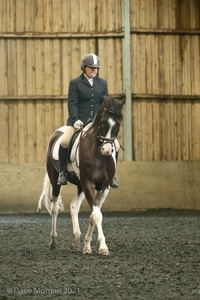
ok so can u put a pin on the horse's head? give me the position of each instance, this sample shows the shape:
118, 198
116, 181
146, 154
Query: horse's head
108, 120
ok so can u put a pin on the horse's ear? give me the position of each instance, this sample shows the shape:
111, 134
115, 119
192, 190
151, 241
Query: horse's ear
105, 99
122, 101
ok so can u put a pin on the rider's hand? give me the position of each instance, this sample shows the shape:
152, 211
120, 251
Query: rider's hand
78, 124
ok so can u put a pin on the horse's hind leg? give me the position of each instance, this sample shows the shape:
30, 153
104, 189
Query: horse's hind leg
53, 204
54, 215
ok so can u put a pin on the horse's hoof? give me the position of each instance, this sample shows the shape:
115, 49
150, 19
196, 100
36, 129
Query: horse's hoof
104, 251
87, 251
52, 245
75, 247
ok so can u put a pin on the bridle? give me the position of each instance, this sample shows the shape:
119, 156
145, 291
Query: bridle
104, 140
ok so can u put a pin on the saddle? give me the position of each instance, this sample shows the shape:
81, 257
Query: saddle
56, 145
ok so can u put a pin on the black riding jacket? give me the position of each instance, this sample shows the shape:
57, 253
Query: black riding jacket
84, 100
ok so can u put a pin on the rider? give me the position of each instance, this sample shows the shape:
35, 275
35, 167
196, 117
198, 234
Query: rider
84, 99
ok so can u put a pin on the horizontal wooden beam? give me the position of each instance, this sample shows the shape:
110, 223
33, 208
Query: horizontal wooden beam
47, 97
60, 35
117, 96
165, 31
167, 97
116, 34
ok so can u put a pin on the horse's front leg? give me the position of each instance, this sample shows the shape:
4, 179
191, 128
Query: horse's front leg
96, 219
88, 237
74, 210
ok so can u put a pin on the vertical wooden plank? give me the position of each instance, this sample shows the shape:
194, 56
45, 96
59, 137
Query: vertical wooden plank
135, 129
21, 68
155, 131
66, 11
149, 130
139, 140
134, 11
148, 63
12, 67
144, 130
156, 65
38, 15
66, 69
83, 21
195, 66
47, 123
58, 118
189, 129
21, 129
142, 17
170, 130
48, 67
134, 63
48, 88
21, 90
40, 132
57, 21
48, 15
29, 15
75, 15
4, 132
13, 132
20, 15
3, 16
117, 72
110, 62
196, 131
143, 75
185, 49
161, 73
75, 58
30, 68
39, 67
11, 15
57, 83
31, 132
3, 68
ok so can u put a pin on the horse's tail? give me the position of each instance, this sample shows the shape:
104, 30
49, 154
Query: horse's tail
46, 196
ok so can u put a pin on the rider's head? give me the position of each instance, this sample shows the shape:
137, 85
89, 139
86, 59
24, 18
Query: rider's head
91, 61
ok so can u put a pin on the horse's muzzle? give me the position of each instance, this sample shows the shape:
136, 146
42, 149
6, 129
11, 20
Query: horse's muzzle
107, 148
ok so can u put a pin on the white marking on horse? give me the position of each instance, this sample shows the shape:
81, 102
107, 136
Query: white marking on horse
107, 148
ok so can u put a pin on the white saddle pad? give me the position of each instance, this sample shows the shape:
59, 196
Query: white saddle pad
57, 144
74, 156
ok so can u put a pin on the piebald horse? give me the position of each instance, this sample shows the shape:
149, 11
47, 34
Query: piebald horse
91, 167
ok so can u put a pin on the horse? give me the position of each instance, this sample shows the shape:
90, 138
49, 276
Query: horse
91, 167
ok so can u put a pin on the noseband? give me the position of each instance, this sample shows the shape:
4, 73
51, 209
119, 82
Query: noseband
104, 140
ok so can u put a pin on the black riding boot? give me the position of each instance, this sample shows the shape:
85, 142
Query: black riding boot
115, 180
62, 178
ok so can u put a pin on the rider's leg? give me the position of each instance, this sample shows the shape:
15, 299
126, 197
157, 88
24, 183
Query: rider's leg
63, 153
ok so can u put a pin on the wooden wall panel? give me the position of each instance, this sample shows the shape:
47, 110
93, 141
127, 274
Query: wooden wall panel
165, 14
41, 46
166, 130
164, 64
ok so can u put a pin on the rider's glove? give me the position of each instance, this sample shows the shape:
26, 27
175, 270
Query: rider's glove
78, 124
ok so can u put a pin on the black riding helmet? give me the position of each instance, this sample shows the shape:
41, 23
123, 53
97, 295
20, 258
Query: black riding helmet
90, 60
